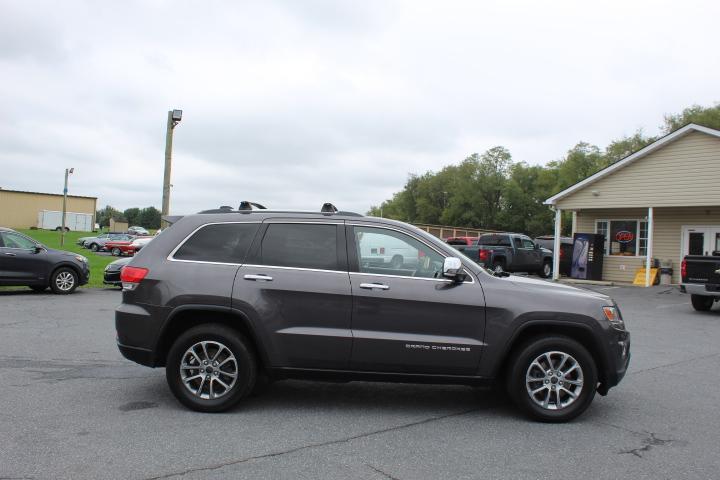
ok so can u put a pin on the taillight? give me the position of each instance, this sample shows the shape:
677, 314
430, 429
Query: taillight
562, 253
683, 269
484, 255
131, 276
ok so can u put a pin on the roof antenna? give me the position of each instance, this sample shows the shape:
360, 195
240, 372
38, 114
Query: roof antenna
328, 208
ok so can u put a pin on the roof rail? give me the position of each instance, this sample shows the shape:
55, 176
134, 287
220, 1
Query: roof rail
328, 208
245, 206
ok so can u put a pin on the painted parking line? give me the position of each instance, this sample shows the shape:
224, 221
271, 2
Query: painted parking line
672, 305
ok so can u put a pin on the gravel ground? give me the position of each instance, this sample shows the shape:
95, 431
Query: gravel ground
72, 407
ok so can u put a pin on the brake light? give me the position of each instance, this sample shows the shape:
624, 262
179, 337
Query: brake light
683, 269
484, 255
132, 276
562, 253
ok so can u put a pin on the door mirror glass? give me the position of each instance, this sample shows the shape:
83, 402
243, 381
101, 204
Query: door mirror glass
452, 268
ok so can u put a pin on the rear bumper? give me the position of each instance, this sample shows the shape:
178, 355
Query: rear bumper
143, 356
698, 289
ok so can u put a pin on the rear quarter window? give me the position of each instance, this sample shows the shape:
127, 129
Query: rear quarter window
221, 243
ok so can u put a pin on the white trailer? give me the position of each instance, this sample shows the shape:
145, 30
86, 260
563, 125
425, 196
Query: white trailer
75, 222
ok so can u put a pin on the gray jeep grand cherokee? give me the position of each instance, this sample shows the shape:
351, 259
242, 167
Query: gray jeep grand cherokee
229, 298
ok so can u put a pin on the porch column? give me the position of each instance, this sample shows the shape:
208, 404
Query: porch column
648, 250
556, 244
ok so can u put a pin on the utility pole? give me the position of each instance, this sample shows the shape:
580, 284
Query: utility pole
68, 171
173, 118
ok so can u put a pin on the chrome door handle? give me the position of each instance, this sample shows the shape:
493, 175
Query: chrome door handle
371, 286
10, 254
267, 278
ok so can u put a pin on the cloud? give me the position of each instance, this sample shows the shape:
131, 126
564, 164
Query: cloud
294, 103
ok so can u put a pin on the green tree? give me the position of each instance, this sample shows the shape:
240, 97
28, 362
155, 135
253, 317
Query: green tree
626, 146
103, 216
149, 217
705, 116
132, 214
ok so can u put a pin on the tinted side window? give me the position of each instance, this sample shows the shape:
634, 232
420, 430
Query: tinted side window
224, 243
487, 240
300, 245
13, 240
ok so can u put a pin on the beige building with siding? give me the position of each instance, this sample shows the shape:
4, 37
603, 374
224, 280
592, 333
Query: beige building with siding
20, 209
667, 196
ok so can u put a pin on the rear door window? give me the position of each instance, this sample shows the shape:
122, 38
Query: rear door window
219, 243
300, 245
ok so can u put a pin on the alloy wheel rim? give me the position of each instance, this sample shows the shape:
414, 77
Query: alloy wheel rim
547, 269
64, 281
209, 370
554, 380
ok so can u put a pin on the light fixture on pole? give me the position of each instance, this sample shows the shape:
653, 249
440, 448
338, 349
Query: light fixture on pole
68, 172
173, 118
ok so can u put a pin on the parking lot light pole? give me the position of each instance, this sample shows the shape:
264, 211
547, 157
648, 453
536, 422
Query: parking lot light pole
173, 118
68, 172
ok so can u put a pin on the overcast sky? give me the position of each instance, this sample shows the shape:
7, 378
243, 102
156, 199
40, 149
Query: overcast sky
298, 102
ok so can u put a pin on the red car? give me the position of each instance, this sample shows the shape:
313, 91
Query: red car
119, 248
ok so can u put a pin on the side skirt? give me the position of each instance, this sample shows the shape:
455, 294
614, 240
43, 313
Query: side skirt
342, 376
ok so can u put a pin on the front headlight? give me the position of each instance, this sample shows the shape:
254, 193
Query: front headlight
80, 258
612, 314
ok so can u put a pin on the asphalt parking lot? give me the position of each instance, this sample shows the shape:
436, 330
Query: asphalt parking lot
72, 407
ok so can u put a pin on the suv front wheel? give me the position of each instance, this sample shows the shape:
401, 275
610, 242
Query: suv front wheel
210, 368
553, 379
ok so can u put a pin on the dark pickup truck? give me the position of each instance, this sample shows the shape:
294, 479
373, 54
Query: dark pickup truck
506, 252
701, 279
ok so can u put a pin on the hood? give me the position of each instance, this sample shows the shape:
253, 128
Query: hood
118, 264
556, 288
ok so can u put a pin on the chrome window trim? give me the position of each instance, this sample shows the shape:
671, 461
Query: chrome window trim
443, 255
171, 255
251, 265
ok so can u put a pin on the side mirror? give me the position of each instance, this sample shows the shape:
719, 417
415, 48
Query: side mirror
38, 249
537, 246
452, 269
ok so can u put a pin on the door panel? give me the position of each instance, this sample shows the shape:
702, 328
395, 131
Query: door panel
410, 319
296, 289
302, 315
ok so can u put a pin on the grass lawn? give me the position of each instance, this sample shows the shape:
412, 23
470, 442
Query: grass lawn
51, 239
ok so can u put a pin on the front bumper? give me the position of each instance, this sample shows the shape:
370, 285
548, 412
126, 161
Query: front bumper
618, 361
112, 277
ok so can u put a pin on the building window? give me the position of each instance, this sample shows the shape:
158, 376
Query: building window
627, 238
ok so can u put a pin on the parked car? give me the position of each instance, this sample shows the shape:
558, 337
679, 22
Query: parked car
26, 262
118, 248
138, 231
509, 252
222, 299
81, 241
566, 249
140, 242
111, 275
97, 244
701, 279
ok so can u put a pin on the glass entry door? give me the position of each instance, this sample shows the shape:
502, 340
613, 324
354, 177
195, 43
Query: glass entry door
701, 240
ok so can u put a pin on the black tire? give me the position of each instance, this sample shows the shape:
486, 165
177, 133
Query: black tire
546, 269
521, 365
64, 281
94, 247
236, 344
702, 303
57, 229
115, 252
38, 288
498, 266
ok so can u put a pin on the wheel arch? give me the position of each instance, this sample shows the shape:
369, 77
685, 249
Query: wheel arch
579, 332
185, 317
58, 266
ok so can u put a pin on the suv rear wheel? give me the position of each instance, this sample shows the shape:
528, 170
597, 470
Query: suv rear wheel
553, 379
210, 368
